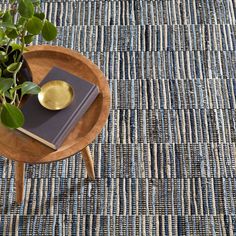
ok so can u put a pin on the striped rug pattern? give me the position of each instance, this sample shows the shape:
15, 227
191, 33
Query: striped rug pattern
165, 161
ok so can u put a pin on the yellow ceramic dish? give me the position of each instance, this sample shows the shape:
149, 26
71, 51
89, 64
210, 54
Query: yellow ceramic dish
56, 95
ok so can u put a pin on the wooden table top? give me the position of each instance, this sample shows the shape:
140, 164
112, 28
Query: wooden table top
17, 146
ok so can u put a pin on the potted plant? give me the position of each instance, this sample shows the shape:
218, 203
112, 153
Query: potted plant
19, 24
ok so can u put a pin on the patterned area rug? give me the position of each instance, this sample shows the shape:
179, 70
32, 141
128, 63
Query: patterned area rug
165, 162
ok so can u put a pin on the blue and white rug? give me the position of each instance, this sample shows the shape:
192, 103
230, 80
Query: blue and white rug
165, 162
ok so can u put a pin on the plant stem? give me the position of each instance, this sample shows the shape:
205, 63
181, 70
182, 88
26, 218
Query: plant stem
22, 43
15, 93
19, 101
8, 44
2, 99
22, 47
15, 99
10, 53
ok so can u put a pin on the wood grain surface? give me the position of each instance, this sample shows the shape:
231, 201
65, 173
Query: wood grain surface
19, 181
19, 147
88, 160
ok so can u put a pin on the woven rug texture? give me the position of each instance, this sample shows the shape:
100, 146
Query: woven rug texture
165, 161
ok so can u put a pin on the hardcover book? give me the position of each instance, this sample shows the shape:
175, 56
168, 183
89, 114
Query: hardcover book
52, 127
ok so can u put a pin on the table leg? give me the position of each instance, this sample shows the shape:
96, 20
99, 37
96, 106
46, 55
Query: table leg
88, 162
19, 181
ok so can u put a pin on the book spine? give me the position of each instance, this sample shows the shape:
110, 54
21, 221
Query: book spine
69, 125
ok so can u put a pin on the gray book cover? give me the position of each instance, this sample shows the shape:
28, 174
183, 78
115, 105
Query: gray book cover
52, 127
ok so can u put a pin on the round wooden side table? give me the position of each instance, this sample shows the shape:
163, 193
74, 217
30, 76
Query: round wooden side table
22, 149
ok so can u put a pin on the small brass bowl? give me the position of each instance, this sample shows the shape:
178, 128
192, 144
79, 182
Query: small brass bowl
56, 95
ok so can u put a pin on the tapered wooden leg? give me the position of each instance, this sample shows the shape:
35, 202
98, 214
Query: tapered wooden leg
19, 181
88, 162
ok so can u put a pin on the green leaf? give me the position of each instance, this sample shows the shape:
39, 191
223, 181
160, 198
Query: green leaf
8, 25
11, 116
36, 2
2, 34
29, 88
26, 8
34, 25
3, 56
8, 95
5, 84
12, 1
0, 72
11, 33
7, 17
41, 15
29, 38
4, 41
21, 21
49, 31
15, 46
14, 67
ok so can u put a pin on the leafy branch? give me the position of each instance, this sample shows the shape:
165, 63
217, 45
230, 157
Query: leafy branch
19, 25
